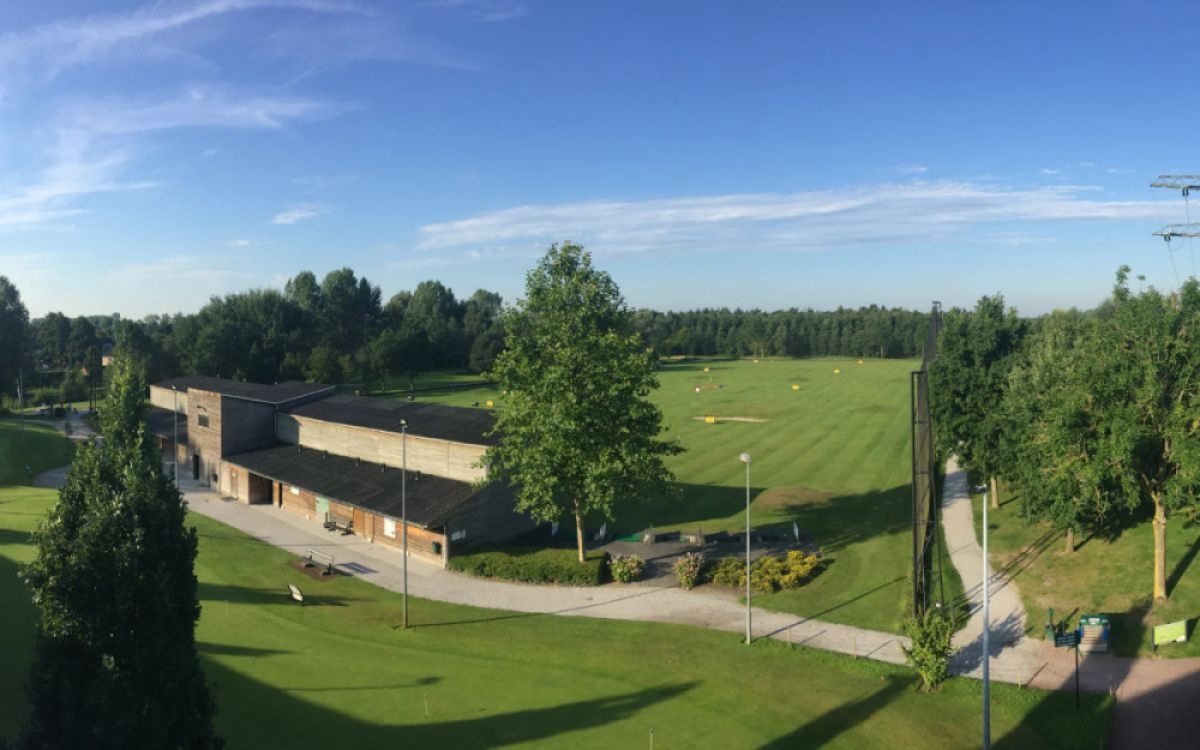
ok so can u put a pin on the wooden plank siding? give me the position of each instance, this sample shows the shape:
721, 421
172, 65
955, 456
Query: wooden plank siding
442, 458
370, 526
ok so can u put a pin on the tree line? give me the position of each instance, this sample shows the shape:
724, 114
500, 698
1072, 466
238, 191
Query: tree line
338, 329
1090, 417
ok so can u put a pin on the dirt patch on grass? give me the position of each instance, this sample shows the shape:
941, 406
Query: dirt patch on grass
791, 497
314, 571
752, 420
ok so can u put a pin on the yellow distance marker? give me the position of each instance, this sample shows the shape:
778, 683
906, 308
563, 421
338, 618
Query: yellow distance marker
490, 403
756, 361
706, 369
710, 420
860, 361
837, 372
795, 386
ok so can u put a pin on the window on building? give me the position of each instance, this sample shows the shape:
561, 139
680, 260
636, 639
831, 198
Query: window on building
202, 420
389, 527
460, 534
295, 490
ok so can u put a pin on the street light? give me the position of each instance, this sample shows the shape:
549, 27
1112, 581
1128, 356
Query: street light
745, 458
404, 509
175, 422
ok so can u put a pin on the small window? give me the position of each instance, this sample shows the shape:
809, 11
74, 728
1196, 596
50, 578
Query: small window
202, 420
460, 534
389, 527
295, 490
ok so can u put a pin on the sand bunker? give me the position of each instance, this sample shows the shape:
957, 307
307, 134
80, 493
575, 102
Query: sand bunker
754, 420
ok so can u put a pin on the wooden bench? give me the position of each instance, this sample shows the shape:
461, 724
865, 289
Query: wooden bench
311, 562
296, 594
339, 522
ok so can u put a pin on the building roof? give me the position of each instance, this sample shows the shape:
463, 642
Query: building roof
456, 423
278, 393
368, 485
158, 422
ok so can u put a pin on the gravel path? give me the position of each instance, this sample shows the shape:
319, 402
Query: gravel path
651, 602
1156, 698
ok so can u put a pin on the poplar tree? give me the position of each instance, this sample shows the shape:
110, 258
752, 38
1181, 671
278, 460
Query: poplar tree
577, 430
115, 663
967, 381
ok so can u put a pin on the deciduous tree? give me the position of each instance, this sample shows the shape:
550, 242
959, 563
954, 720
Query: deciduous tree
578, 432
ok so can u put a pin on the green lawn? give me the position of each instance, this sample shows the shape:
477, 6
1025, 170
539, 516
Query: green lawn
833, 456
1111, 576
338, 673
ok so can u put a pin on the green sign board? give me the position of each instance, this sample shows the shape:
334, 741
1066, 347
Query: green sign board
1172, 632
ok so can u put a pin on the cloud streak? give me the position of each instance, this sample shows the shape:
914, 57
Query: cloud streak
300, 212
812, 220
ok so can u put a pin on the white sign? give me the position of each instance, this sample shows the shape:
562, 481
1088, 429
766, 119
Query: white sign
389, 527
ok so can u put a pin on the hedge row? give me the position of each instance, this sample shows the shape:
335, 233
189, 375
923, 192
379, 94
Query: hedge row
533, 565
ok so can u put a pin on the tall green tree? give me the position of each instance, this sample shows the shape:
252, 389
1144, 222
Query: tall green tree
967, 382
115, 663
1049, 429
577, 430
14, 335
1142, 375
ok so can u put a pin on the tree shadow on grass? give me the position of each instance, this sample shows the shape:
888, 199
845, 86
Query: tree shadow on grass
833, 522
255, 714
222, 592
827, 727
225, 649
1181, 566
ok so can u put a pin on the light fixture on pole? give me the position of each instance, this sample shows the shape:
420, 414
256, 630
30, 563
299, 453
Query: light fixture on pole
175, 447
987, 653
404, 510
745, 458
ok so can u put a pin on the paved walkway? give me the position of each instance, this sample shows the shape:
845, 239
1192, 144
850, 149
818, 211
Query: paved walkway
1156, 698
651, 602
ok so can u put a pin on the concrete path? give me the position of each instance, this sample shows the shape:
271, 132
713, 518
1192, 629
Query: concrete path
1014, 657
1156, 698
649, 602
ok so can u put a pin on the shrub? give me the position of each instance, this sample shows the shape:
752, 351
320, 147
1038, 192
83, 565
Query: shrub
769, 573
626, 568
729, 571
532, 565
930, 653
688, 569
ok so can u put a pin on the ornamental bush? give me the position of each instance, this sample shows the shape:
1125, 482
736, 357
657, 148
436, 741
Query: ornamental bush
532, 565
689, 568
769, 573
626, 568
930, 653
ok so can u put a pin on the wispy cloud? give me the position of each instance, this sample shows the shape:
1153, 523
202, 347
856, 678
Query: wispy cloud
1049, 172
913, 169
324, 182
487, 11
300, 212
197, 106
56, 46
214, 270
811, 220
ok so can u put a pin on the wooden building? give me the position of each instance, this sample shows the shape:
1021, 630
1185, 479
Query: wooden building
336, 459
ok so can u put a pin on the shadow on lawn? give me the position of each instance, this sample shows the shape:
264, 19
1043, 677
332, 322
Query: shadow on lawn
252, 713
833, 522
222, 592
826, 727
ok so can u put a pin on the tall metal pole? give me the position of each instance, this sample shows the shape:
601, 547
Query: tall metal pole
745, 457
987, 653
404, 508
175, 420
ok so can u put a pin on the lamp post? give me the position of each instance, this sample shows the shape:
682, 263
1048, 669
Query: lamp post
745, 458
175, 423
987, 708
404, 510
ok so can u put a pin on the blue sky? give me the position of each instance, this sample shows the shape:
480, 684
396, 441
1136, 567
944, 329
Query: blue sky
749, 154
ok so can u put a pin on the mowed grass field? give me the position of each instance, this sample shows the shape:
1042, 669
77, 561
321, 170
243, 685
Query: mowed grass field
1108, 576
338, 672
833, 457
